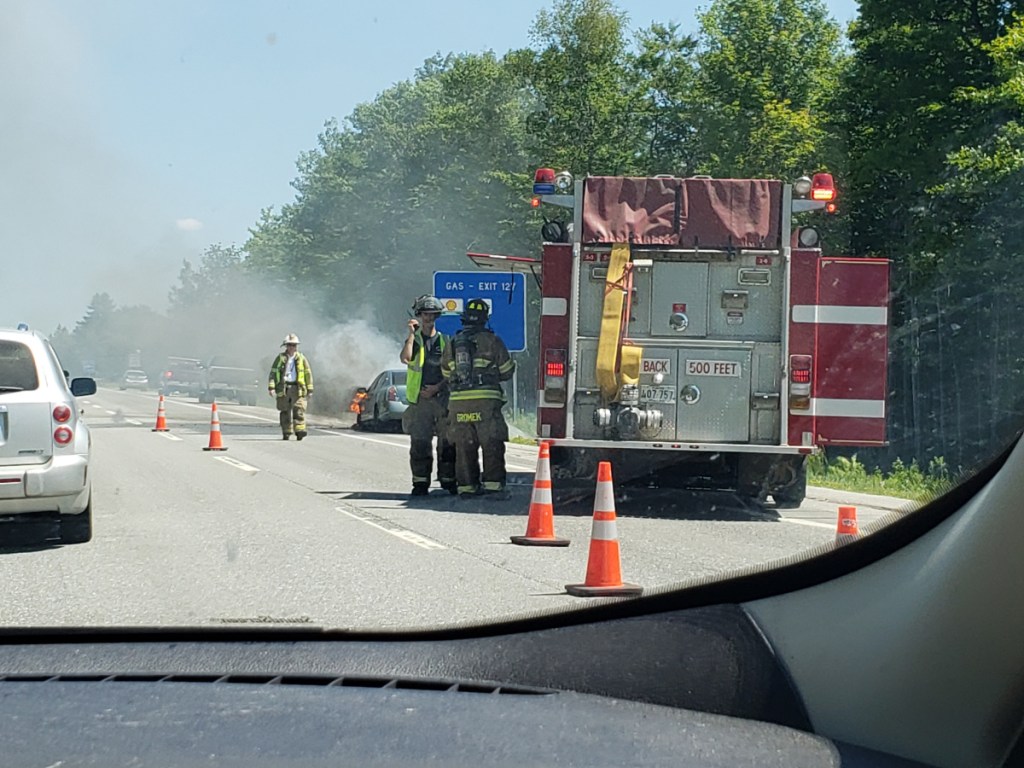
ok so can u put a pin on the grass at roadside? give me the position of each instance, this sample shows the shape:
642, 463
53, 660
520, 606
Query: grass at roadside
903, 481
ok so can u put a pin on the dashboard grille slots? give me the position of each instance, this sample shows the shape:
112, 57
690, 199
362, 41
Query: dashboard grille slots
398, 683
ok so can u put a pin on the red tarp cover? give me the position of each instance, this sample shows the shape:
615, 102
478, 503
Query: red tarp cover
710, 213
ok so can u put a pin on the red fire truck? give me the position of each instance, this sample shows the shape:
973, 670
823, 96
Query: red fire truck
688, 330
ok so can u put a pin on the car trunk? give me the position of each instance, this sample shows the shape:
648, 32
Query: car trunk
25, 436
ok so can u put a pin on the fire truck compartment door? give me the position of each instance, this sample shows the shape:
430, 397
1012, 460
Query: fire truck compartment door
679, 305
846, 320
713, 398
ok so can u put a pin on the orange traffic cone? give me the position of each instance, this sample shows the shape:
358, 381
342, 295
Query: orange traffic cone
604, 576
846, 526
540, 528
161, 417
215, 443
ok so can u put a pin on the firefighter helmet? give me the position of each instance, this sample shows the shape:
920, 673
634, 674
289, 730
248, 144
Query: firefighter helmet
291, 338
427, 303
476, 312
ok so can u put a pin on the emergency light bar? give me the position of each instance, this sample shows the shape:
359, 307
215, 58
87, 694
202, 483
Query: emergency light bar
544, 181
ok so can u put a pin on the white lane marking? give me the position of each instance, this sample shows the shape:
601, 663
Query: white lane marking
237, 464
134, 422
100, 407
112, 413
220, 410
812, 523
169, 436
794, 520
374, 440
393, 528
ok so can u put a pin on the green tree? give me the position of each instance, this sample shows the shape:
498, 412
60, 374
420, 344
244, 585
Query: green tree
908, 119
665, 70
767, 71
585, 90
431, 168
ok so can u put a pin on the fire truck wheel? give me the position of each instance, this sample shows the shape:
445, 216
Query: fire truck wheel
791, 495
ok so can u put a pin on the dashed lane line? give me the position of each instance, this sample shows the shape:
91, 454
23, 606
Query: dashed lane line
238, 464
394, 529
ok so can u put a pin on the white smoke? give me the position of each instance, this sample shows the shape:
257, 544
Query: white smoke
350, 355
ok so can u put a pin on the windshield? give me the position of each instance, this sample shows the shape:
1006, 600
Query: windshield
768, 303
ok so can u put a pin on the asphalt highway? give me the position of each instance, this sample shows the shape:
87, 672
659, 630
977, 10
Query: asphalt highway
323, 532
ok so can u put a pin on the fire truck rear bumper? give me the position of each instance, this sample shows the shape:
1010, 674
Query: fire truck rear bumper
683, 446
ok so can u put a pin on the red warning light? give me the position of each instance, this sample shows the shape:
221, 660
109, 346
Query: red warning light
535, 202
544, 176
822, 187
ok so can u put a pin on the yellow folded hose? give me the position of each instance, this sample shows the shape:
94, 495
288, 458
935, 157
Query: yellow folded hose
608, 380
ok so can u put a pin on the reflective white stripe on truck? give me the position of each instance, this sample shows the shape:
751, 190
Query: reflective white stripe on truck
839, 315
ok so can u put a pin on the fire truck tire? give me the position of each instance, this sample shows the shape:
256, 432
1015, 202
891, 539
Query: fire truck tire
791, 495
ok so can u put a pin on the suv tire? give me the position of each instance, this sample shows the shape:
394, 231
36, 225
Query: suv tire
77, 529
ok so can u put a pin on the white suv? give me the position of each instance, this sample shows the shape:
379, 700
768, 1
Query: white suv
44, 445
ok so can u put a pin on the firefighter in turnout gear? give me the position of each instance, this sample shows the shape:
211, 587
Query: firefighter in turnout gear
427, 393
291, 383
474, 364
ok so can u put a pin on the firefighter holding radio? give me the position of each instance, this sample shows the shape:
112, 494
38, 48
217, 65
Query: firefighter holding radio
427, 392
474, 364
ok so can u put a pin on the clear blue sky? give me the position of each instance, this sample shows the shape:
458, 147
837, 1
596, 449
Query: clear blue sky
136, 132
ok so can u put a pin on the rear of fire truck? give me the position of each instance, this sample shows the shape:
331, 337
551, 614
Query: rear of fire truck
690, 335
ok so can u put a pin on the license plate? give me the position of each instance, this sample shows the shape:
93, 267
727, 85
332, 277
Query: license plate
653, 394
713, 368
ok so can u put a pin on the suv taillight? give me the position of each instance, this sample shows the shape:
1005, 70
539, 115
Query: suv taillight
392, 394
61, 413
63, 435
800, 367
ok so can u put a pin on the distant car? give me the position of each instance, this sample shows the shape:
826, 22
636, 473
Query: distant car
44, 446
134, 379
384, 401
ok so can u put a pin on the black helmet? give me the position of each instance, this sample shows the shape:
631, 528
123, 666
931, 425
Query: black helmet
427, 303
475, 312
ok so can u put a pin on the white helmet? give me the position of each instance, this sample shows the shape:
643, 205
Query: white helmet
291, 338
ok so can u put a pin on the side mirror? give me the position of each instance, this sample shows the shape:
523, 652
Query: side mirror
83, 386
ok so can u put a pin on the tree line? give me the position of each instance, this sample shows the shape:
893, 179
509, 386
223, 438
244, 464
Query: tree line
916, 109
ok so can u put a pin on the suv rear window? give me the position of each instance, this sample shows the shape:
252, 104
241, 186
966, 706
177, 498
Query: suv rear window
17, 367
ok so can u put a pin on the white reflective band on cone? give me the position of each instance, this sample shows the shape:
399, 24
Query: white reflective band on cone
604, 530
604, 498
542, 495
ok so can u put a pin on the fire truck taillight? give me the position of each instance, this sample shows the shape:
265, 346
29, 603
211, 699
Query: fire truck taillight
554, 375
800, 367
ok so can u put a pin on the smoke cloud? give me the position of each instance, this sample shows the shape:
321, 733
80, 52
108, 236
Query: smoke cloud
79, 217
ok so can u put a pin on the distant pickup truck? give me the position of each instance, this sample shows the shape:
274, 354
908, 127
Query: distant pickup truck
181, 375
220, 380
